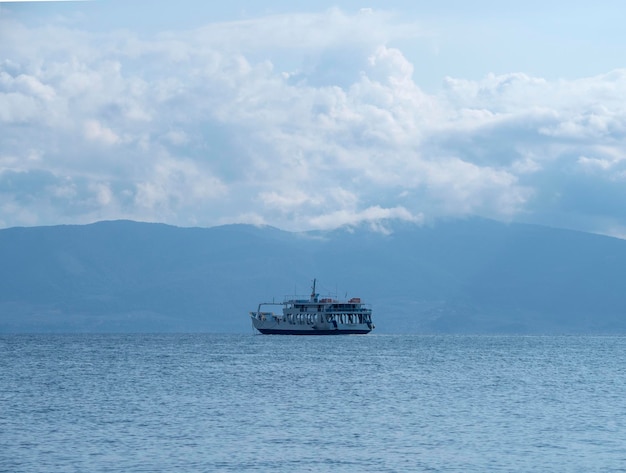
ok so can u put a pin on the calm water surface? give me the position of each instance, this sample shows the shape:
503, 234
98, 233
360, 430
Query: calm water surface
211, 403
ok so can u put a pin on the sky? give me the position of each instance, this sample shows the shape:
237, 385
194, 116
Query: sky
312, 115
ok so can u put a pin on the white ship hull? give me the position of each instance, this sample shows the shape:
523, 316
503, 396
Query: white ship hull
277, 327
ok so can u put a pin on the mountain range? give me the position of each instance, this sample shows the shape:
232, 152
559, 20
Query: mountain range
467, 276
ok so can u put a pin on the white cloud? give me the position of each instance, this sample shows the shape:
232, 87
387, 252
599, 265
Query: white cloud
177, 137
95, 131
286, 200
299, 121
17, 108
304, 32
103, 193
595, 163
374, 216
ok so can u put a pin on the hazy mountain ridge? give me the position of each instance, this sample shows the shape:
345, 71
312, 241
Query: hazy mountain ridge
471, 276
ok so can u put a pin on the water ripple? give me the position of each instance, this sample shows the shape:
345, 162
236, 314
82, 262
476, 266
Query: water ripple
211, 403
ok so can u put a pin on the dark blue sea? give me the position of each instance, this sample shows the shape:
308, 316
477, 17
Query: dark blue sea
375, 403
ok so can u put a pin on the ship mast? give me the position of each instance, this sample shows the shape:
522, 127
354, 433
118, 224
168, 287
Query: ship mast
313, 294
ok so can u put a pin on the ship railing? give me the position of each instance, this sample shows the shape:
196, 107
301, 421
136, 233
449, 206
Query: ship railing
265, 313
323, 301
299, 298
339, 307
296, 298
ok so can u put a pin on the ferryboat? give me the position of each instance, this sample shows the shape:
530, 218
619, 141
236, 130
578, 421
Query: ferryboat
314, 316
